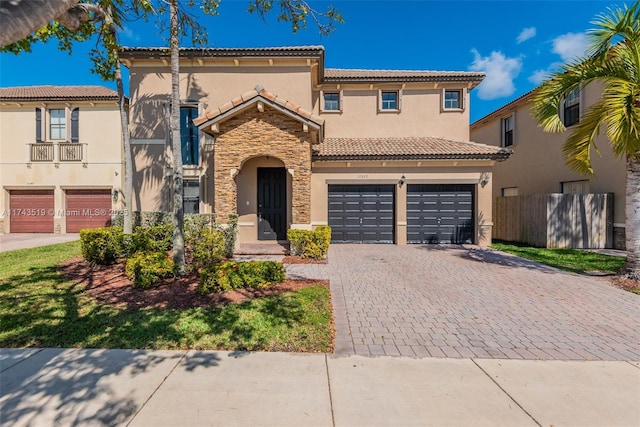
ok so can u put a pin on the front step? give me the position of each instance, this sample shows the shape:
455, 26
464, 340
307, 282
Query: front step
269, 248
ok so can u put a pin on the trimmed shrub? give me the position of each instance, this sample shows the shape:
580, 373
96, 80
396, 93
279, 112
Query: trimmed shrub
146, 268
101, 246
157, 238
310, 244
208, 248
230, 275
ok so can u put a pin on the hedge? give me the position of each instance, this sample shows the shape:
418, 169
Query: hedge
310, 244
228, 275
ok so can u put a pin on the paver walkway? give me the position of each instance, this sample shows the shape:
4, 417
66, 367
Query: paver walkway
454, 301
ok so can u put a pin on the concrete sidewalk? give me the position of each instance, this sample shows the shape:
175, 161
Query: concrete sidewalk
194, 388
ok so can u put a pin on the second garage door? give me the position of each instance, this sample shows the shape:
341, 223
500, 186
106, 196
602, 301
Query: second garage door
361, 213
87, 209
440, 213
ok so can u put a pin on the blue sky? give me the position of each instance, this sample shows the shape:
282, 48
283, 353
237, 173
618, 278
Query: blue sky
514, 42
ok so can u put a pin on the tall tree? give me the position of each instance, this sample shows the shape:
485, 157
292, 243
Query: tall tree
614, 61
78, 22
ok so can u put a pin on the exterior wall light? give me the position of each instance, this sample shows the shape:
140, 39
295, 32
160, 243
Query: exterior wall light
402, 180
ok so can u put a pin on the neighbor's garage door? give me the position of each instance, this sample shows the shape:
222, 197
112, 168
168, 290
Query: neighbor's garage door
31, 211
87, 209
361, 213
440, 213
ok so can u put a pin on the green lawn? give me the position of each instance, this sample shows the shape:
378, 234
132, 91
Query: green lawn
573, 260
38, 308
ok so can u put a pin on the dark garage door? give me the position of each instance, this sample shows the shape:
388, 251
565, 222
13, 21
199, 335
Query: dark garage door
361, 213
31, 211
87, 209
440, 213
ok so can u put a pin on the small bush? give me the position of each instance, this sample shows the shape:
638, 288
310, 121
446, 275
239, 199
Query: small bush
145, 269
157, 238
208, 248
101, 246
230, 275
310, 244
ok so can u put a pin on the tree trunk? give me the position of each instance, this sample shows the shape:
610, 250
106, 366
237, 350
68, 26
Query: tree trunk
19, 19
128, 161
174, 124
632, 223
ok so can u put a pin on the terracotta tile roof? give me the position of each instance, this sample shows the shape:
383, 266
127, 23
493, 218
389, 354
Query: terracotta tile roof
335, 74
271, 98
510, 106
57, 93
163, 52
428, 148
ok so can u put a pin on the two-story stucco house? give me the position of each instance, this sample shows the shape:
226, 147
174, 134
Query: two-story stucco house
60, 158
274, 136
537, 165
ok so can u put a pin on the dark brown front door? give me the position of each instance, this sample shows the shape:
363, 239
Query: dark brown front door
272, 204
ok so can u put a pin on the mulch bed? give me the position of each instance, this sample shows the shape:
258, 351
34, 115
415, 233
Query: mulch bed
624, 283
110, 285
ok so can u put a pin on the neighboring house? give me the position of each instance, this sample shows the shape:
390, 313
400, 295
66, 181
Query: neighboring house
538, 166
270, 134
60, 158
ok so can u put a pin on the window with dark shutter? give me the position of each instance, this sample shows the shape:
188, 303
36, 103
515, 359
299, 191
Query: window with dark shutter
38, 125
75, 129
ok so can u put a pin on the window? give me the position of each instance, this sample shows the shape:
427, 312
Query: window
57, 124
507, 131
575, 187
509, 191
452, 100
331, 101
389, 101
571, 111
191, 196
189, 135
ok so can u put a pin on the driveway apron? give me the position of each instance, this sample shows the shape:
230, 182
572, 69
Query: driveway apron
466, 301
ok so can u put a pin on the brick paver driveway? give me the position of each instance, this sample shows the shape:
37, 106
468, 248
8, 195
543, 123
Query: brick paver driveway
453, 301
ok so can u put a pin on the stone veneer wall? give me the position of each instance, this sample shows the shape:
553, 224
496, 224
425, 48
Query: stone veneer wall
253, 134
619, 238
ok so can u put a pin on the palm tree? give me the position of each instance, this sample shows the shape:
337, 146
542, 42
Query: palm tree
613, 59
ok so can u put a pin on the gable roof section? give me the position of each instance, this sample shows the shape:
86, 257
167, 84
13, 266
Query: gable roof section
58, 93
409, 148
510, 106
335, 75
247, 99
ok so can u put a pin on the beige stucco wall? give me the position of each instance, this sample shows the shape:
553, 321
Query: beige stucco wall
101, 167
210, 86
431, 172
420, 114
537, 164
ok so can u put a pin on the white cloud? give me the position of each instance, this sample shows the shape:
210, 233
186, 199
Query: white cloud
526, 34
570, 46
129, 34
500, 70
538, 76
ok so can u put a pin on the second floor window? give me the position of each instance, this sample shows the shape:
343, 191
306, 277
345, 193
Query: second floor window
331, 101
389, 101
507, 131
452, 100
572, 108
57, 124
189, 135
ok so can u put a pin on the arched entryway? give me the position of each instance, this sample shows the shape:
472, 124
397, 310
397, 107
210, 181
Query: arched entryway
263, 199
